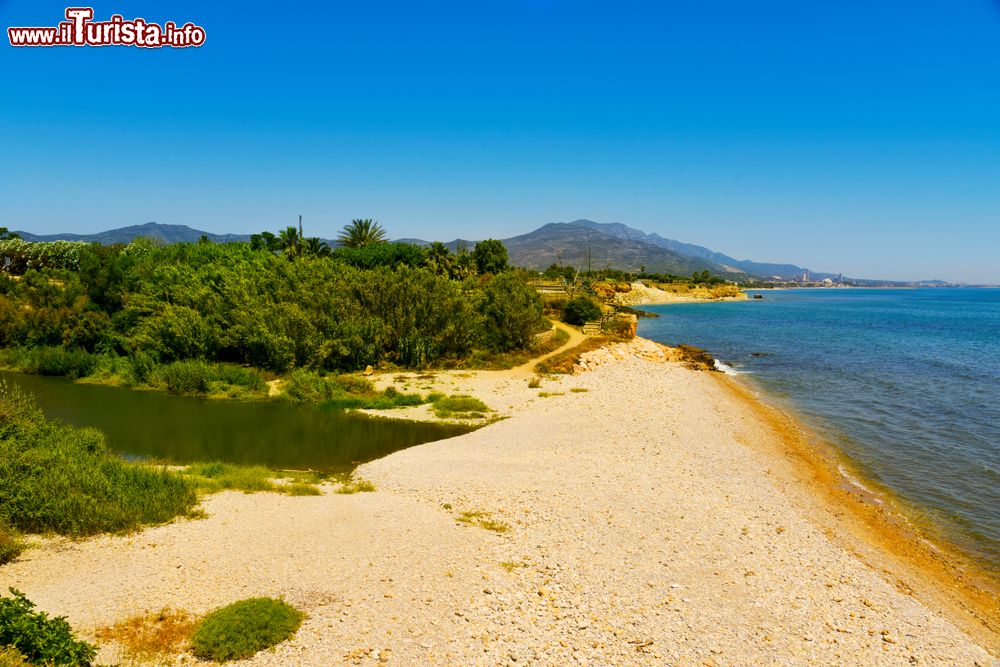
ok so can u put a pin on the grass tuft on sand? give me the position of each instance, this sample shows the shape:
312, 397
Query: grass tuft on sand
350, 485
218, 476
483, 520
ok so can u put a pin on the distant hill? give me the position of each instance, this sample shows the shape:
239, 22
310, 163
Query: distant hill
154, 230
581, 245
574, 243
760, 269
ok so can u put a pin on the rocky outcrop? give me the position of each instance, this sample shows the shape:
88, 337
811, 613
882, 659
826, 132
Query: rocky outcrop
637, 348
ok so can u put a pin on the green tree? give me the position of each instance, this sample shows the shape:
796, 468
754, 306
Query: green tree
490, 256
360, 233
4, 234
512, 312
265, 241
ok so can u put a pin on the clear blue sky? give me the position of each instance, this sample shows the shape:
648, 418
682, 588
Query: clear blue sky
853, 136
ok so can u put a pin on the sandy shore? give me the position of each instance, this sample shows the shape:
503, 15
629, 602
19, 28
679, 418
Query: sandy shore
656, 516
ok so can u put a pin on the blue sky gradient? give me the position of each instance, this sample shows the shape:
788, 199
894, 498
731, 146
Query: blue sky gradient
852, 137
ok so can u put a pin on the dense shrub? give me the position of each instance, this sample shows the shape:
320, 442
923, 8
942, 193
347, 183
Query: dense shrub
230, 303
39, 639
581, 309
62, 479
245, 628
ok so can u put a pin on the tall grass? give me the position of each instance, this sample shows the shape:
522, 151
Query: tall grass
199, 377
56, 478
51, 361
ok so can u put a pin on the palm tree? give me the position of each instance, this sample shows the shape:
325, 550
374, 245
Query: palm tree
315, 247
290, 242
463, 267
439, 258
361, 233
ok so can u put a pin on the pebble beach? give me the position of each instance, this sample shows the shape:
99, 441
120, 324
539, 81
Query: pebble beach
640, 513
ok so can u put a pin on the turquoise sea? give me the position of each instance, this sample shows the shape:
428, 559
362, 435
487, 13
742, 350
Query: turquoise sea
905, 382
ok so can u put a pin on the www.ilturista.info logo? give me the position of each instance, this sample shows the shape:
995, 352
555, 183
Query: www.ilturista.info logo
81, 30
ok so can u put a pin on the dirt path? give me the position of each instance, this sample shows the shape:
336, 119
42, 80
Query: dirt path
527, 369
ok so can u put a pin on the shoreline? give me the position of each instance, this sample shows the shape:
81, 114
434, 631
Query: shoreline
654, 515
882, 529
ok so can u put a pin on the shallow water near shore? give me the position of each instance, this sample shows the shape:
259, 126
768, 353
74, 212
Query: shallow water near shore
903, 382
183, 429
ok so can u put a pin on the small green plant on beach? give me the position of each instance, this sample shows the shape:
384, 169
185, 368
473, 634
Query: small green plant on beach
511, 565
460, 407
579, 390
40, 639
483, 520
534, 383
547, 394
245, 628
351, 485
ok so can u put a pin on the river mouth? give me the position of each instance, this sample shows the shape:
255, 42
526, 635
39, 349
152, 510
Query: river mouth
153, 425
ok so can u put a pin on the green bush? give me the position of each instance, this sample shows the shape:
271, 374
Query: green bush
40, 639
244, 628
56, 478
580, 310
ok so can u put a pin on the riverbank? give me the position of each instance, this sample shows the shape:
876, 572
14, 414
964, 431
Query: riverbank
641, 513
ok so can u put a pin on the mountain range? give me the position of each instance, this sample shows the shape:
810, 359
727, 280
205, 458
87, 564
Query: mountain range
152, 230
581, 243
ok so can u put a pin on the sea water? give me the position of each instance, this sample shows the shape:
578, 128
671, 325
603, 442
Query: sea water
905, 382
